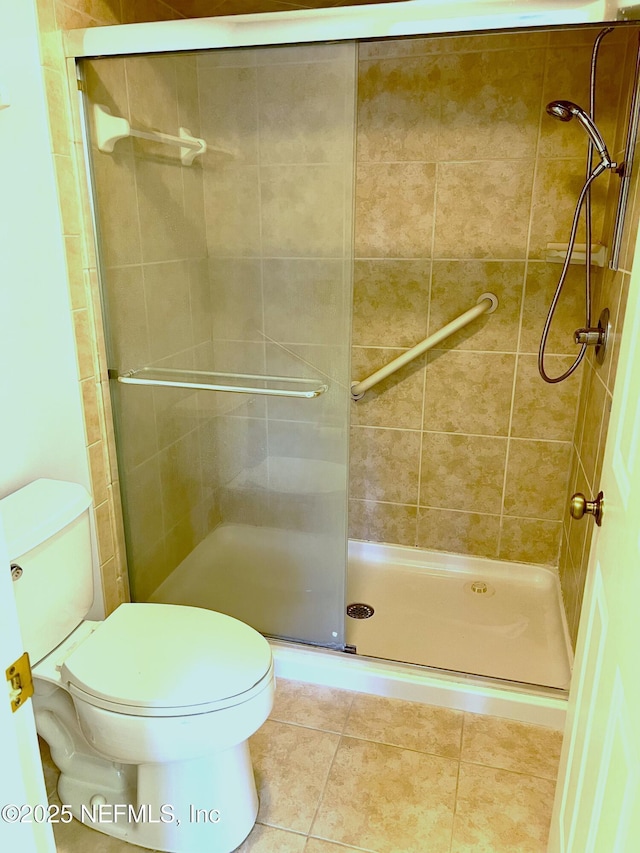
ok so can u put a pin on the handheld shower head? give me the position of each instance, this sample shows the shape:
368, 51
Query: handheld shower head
566, 110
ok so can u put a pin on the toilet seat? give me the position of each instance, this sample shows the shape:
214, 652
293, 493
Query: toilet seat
168, 660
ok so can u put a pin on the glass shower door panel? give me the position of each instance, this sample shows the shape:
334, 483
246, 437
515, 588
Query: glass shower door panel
233, 271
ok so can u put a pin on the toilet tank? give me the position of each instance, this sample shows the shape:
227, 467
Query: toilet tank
48, 535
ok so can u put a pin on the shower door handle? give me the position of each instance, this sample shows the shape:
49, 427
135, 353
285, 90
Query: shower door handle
580, 506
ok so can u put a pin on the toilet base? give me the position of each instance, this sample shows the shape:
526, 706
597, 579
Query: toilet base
206, 805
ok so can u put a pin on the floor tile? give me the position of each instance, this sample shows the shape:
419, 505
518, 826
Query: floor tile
75, 837
510, 745
501, 812
267, 839
311, 705
411, 725
387, 799
291, 765
317, 845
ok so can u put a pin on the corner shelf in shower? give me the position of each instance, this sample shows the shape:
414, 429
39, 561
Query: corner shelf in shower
111, 129
206, 380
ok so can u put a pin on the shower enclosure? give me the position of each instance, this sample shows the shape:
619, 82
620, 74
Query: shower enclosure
228, 185
223, 186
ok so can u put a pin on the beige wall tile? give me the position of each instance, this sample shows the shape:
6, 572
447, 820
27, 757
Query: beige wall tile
117, 206
556, 189
134, 407
457, 285
541, 282
567, 77
75, 272
148, 10
84, 343
363, 771
456, 531
51, 53
303, 299
236, 296
537, 477
68, 193
483, 209
469, 392
56, 93
384, 464
399, 109
91, 408
99, 472
229, 108
394, 210
232, 211
298, 206
393, 402
153, 98
106, 84
128, 322
382, 522
530, 540
541, 410
594, 414
302, 112
390, 302
104, 532
160, 200
490, 104
166, 291
462, 471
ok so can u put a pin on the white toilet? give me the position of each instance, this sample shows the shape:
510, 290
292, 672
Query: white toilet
147, 713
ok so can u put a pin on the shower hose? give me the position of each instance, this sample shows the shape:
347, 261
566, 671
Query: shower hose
583, 199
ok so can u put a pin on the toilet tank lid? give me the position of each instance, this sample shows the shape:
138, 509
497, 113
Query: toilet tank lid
38, 511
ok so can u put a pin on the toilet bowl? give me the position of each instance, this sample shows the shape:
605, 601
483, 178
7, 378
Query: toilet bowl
147, 713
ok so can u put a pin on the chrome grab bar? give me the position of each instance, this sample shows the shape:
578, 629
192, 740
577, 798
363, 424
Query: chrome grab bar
144, 376
487, 303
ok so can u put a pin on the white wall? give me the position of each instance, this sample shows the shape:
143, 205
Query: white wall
41, 423
41, 427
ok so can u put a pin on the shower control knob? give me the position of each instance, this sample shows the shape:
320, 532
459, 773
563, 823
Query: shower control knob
580, 506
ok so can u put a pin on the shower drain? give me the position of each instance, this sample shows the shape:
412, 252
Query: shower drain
359, 611
480, 588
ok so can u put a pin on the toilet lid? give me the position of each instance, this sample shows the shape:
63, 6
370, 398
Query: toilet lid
167, 656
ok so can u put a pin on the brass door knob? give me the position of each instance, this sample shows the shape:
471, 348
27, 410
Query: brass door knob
580, 506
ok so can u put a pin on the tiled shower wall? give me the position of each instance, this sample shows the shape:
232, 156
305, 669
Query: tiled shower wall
154, 255
462, 179
595, 400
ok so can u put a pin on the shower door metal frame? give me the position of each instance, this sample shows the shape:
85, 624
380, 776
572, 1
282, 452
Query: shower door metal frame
428, 17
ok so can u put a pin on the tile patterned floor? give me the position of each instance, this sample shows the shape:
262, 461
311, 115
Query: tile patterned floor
340, 771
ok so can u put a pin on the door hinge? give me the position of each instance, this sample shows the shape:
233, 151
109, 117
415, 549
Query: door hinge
20, 681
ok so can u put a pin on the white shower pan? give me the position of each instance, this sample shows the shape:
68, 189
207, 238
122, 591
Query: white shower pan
459, 613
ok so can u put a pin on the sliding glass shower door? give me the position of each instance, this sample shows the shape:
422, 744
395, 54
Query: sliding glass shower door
223, 185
